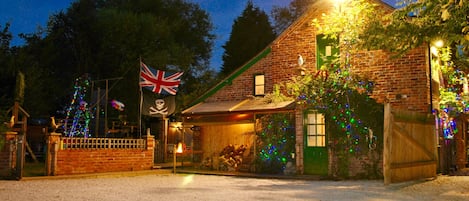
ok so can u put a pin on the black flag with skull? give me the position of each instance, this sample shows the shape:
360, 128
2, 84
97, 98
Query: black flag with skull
155, 105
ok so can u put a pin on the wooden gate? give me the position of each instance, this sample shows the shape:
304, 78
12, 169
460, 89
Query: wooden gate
410, 146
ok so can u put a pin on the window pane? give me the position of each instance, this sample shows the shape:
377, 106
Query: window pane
312, 130
321, 129
312, 141
259, 80
311, 118
321, 141
320, 119
260, 90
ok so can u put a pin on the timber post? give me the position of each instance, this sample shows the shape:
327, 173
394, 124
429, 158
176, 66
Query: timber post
387, 144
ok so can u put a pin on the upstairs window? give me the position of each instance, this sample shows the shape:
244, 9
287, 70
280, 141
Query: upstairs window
259, 85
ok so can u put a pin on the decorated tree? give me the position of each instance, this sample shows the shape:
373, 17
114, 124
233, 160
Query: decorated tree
78, 112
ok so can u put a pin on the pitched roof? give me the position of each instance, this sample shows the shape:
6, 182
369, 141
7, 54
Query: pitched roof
315, 9
249, 104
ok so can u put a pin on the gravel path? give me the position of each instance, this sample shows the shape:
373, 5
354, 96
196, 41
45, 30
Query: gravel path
186, 187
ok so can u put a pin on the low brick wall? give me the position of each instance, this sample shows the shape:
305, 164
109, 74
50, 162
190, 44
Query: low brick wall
66, 161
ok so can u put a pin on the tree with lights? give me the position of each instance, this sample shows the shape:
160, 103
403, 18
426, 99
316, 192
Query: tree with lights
78, 111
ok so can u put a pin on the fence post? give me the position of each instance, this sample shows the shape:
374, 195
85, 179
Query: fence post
387, 135
19, 155
53, 143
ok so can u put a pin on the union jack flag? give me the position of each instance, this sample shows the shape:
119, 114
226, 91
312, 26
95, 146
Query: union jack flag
158, 81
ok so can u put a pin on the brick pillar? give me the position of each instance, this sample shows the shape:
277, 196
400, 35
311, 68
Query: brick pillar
7, 153
151, 146
53, 145
299, 145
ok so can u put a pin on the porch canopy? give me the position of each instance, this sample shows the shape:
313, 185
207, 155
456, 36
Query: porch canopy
247, 105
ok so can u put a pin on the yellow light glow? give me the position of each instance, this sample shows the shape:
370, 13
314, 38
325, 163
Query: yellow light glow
187, 180
338, 2
434, 50
179, 148
438, 43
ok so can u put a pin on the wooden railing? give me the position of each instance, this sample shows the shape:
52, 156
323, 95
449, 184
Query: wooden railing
101, 143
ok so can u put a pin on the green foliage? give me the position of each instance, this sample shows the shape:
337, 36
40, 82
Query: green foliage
422, 22
346, 22
7, 76
106, 39
275, 142
243, 45
452, 97
285, 16
276, 96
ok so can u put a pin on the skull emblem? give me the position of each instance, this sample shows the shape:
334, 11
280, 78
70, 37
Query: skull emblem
159, 104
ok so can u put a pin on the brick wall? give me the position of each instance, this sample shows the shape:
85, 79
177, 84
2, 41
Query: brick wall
102, 160
403, 81
81, 161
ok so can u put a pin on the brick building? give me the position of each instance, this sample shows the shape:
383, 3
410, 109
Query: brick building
230, 112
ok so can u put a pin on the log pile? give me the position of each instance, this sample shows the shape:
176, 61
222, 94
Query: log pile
231, 157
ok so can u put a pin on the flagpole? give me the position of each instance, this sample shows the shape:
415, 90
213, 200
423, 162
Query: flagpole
141, 99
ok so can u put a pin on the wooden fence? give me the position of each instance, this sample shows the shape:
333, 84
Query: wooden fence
410, 146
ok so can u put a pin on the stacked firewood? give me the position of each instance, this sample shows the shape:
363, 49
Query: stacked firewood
231, 157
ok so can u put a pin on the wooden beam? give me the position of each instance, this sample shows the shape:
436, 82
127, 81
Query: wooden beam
412, 164
387, 135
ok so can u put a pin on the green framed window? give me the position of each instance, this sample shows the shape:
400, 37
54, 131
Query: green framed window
315, 129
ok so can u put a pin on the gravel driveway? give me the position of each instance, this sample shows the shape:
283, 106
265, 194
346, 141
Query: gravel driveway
189, 187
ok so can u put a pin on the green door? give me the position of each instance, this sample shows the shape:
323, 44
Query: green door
315, 158
326, 51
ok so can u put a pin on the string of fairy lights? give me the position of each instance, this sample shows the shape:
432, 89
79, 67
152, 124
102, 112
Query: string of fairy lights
453, 92
78, 110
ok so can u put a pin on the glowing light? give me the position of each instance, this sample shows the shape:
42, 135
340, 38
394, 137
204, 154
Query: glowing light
187, 180
438, 43
179, 148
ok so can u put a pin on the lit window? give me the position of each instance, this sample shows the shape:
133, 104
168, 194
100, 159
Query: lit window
259, 85
315, 130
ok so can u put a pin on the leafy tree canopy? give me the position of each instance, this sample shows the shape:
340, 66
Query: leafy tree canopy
251, 32
423, 22
106, 38
285, 16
